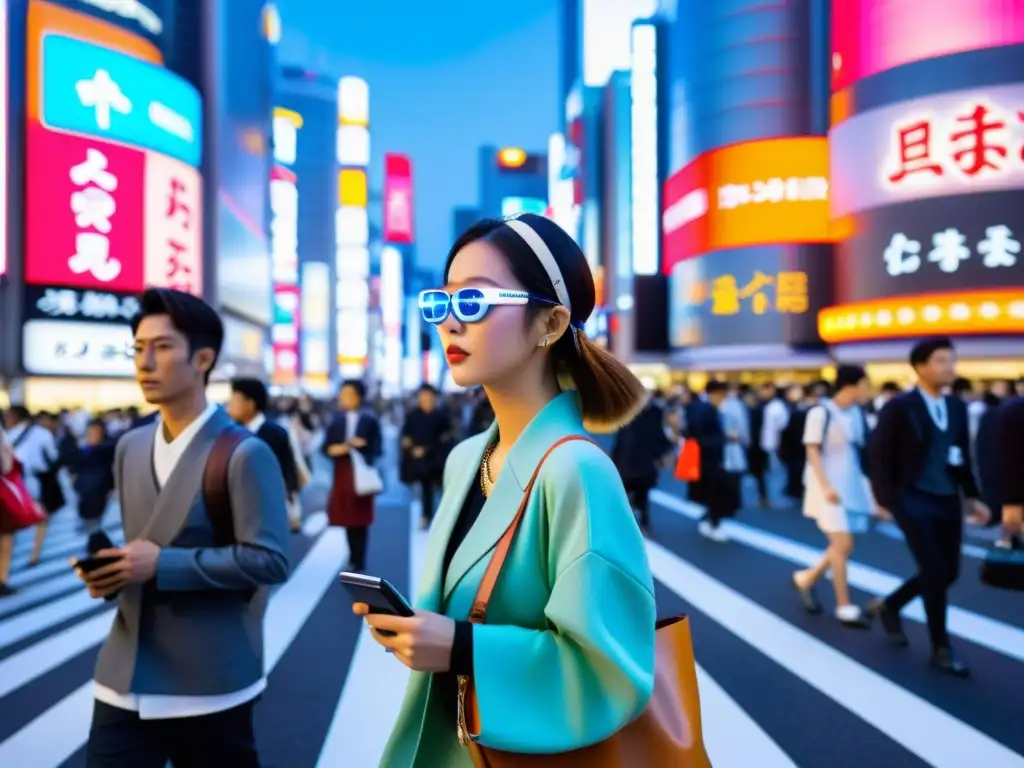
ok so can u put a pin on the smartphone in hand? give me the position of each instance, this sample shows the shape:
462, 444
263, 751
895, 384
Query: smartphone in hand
377, 593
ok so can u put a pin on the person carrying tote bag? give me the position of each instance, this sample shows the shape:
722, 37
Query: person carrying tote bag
561, 652
668, 731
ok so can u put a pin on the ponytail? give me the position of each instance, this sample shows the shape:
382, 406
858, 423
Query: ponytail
610, 395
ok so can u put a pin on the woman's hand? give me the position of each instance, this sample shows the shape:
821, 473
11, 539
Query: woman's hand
357, 442
831, 495
336, 450
422, 642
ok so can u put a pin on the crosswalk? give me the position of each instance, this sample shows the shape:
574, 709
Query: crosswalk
779, 689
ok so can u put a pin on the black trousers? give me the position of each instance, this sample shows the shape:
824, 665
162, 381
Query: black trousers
358, 538
933, 528
639, 491
428, 487
121, 739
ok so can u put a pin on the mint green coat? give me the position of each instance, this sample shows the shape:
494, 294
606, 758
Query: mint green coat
566, 657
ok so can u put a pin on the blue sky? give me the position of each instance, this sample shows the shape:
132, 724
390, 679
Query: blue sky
445, 77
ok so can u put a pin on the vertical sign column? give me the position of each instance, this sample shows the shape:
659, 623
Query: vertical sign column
352, 230
399, 230
284, 234
3, 138
645, 210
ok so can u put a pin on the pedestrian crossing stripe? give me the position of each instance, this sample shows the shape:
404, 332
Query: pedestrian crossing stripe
46, 693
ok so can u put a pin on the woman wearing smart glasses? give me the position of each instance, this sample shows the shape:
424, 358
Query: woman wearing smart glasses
562, 654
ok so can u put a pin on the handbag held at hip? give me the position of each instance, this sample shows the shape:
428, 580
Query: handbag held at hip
668, 731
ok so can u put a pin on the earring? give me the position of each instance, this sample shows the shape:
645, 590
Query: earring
545, 342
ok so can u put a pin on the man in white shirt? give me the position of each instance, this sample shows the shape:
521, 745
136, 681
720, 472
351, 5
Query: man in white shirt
203, 507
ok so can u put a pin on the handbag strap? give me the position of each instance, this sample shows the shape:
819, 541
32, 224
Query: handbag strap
483, 593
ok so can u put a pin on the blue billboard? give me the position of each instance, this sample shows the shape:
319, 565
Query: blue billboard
95, 91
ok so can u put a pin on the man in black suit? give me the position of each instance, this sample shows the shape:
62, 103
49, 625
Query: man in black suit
248, 407
920, 471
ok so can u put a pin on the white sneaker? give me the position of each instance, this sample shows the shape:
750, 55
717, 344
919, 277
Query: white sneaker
710, 532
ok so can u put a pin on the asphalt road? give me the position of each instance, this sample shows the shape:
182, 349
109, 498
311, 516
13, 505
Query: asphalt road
779, 688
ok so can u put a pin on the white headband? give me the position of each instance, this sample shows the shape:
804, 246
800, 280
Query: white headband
543, 253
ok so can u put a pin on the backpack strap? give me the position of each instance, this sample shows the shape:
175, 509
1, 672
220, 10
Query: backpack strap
216, 485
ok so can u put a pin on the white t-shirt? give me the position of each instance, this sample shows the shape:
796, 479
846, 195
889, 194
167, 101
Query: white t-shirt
840, 458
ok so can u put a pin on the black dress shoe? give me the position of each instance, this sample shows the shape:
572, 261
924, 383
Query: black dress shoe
807, 597
944, 660
891, 623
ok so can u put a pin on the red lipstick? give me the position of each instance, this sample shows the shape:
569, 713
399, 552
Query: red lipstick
455, 354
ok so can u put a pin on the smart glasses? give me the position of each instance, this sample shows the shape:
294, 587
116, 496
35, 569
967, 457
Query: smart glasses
470, 305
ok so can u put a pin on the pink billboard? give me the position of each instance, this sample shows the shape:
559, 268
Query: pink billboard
399, 224
872, 36
84, 212
101, 215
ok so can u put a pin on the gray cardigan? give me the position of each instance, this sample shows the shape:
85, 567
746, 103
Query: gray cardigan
197, 628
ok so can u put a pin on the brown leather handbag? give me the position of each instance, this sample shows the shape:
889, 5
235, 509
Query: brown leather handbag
667, 732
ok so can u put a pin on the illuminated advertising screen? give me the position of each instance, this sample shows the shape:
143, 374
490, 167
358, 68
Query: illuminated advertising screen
113, 197
758, 193
644, 150
284, 233
398, 210
118, 138
513, 206
954, 143
145, 18
760, 295
352, 228
935, 245
242, 107
3, 138
392, 299
872, 36
315, 324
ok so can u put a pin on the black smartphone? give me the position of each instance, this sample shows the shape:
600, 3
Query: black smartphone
377, 593
89, 564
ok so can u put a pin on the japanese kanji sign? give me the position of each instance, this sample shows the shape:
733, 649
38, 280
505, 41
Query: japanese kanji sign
174, 225
109, 218
941, 245
954, 143
83, 212
752, 296
66, 348
754, 193
82, 305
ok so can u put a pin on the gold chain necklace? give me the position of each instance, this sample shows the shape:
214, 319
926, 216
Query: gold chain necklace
486, 484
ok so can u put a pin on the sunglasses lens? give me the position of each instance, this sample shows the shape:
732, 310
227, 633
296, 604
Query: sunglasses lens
469, 305
434, 306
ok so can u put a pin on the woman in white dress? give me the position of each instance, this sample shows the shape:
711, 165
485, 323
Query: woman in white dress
837, 495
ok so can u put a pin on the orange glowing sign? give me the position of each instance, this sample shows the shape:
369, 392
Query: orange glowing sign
966, 313
785, 293
511, 157
756, 193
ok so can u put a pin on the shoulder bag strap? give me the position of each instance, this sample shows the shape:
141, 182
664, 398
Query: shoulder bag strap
483, 593
216, 485
21, 437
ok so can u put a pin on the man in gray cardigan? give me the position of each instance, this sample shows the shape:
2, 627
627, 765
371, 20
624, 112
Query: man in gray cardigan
183, 666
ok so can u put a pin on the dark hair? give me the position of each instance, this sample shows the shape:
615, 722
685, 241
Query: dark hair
610, 395
922, 351
961, 386
254, 390
849, 376
891, 386
100, 424
190, 316
427, 388
357, 385
20, 412
715, 387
